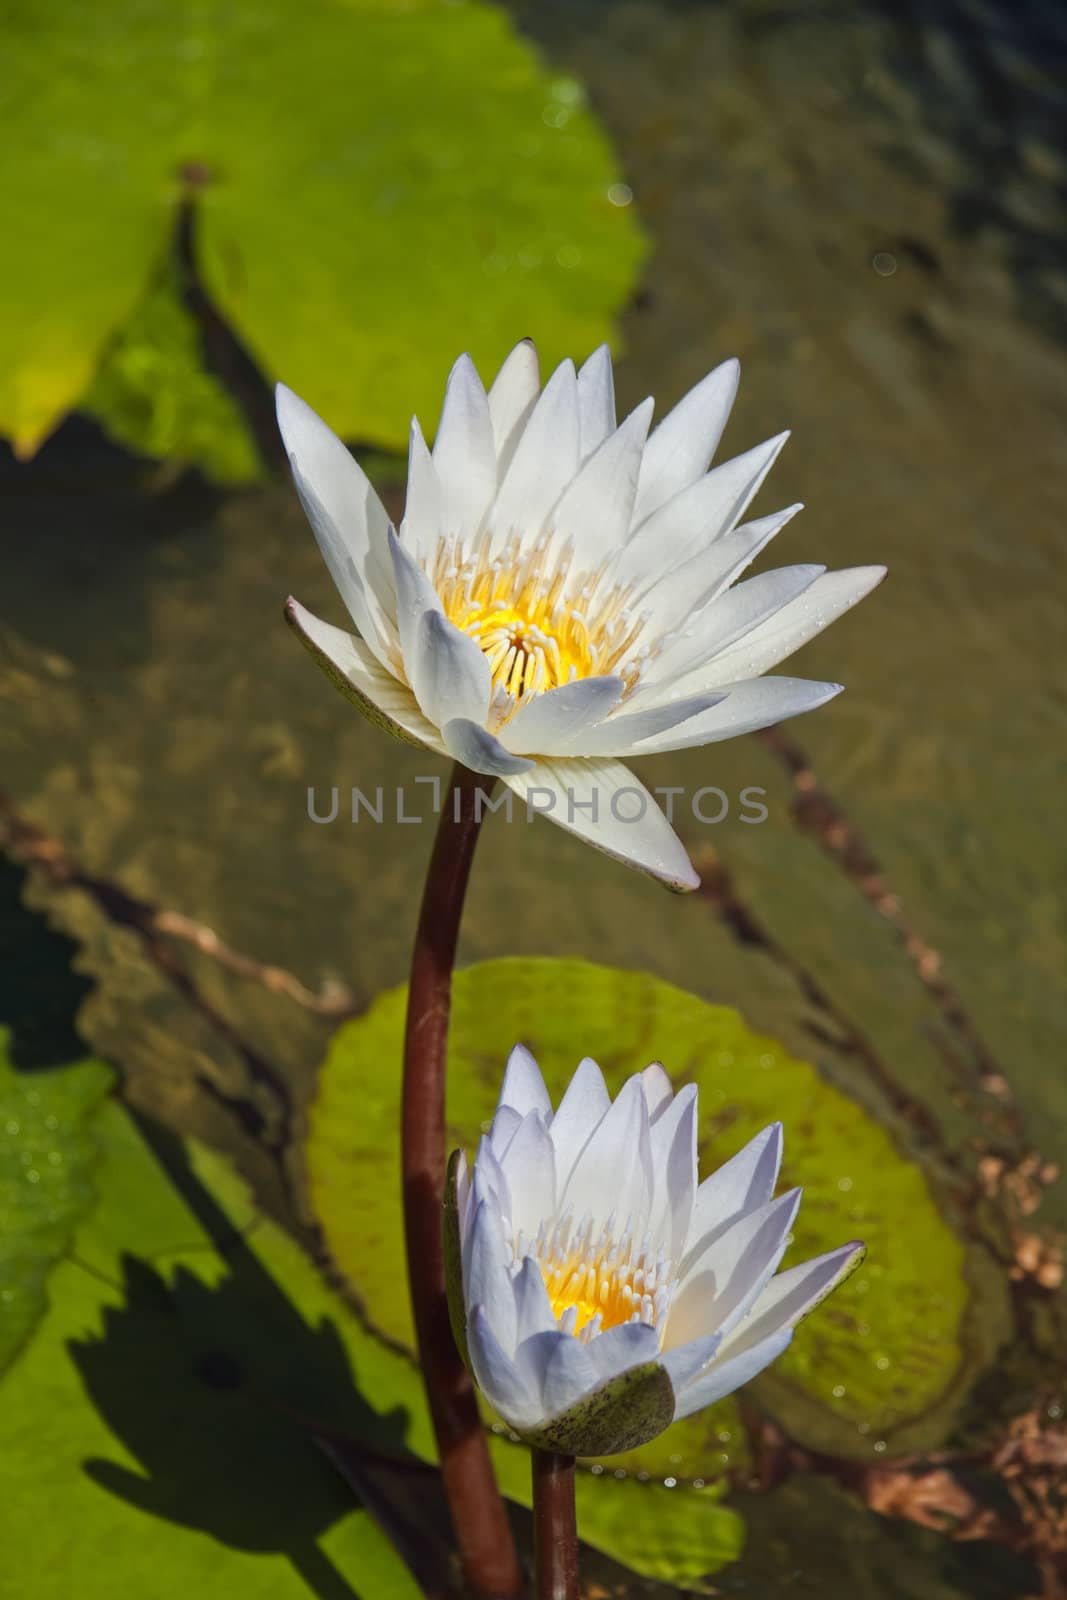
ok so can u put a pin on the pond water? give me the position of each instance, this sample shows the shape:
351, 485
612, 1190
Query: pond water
866, 205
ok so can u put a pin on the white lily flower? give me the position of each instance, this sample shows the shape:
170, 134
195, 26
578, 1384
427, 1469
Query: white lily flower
599, 1290
562, 591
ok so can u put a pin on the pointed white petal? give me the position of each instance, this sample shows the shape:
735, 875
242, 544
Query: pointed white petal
659, 1091
594, 511
531, 1301
415, 595
545, 459
560, 715
487, 1281
595, 799
523, 1088
488, 1180
613, 1174
380, 695
472, 744
631, 733
667, 597
722, 1377
701, 514
685, 441
756, 704
704, 637
558, 1368
452, 676
790, 1296
511, 400
504, 1127
686, 1361
722, 1282
424, 514
772, 639
464, 452
505, 1387
742, 1184
596, 400
584, 1105
530, 1168
628, 1345
348, 520
674, 1163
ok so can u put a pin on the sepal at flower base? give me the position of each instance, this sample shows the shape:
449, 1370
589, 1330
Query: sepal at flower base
622, 1414
457, 1165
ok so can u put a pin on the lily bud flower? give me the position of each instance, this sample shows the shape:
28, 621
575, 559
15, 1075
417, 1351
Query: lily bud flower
597, 1289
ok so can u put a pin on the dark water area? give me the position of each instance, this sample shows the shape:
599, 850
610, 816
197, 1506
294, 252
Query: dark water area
867, 205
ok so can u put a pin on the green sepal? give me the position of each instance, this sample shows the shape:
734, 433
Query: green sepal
622, 1414
457, 1314
354, 696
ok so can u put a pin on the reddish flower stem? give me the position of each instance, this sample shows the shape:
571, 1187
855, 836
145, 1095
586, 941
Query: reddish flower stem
486, 1548
555, 1527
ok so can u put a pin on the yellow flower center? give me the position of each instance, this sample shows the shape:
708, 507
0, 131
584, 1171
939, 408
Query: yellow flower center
523, 607
603, 1282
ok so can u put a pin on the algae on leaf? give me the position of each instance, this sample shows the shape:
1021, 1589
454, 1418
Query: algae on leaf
886, 1349
378, 185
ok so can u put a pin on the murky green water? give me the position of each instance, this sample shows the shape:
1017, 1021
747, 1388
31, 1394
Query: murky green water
866, 207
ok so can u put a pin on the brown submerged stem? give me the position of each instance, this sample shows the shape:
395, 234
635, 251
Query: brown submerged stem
486, 1547
555, 1527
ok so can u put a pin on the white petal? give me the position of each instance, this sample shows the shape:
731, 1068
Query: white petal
701, 514
381, 696
726, 1375
487, 1281
348, 520
632, 733
790, 1296
668, 596
559, 715
674, 1163
523, 1088
545, 459
472, 744
488, 1180
799, 620
558, 1368
464, 452
708, 632
584, 1105
504, 1127
596, 400
424, 515
566, 790
659, 1091
415, 595
595, 509
505, 1387
745, 707
530, 1168
452, 676
742, 1184
531, 1301
685, 441
723, 1280
628, 1345
511, 400
612, 1176
686, 1362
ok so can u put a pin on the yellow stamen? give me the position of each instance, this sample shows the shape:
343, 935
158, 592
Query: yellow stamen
601, 1282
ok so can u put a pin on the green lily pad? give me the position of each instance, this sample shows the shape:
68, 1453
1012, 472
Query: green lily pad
886, 1349
153, 395
378, 184
47, 1157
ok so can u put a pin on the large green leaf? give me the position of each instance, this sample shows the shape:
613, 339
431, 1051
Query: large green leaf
886, 1349
47, 1155
378, 184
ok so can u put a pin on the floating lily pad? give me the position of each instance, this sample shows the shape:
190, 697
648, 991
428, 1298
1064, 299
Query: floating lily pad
887, 1347
47, 1156
378, 184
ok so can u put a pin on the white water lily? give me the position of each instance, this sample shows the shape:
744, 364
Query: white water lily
562, 591
601, 1291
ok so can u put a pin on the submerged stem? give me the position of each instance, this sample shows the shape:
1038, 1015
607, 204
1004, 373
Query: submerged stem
555, 1527
486, 1548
